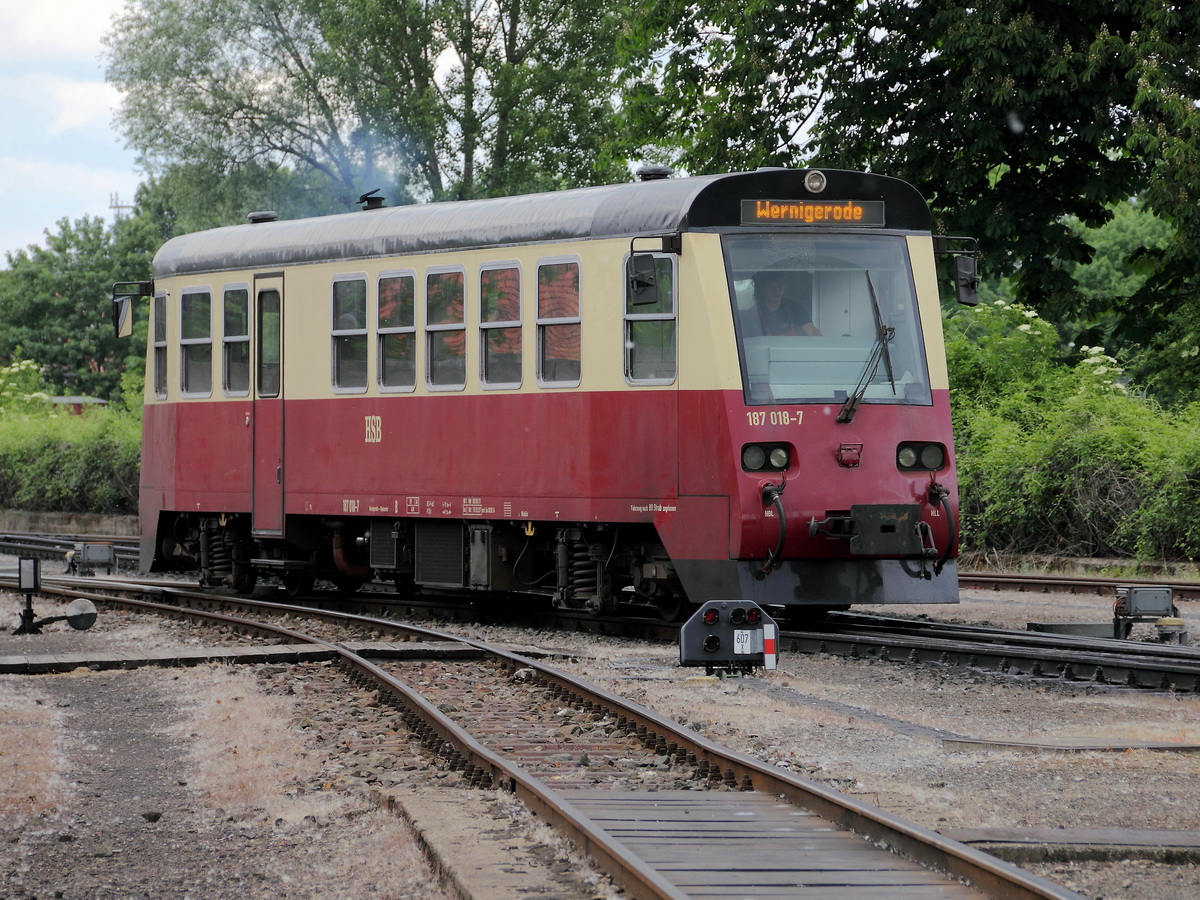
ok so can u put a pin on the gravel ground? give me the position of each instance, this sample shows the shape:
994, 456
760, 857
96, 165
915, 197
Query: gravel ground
85, 816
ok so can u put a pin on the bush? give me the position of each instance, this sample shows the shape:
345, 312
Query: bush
67, 463
1061, 459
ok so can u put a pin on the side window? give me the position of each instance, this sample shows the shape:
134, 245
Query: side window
558, 324
650, 356
350, 333
160, 345
195, 343
445, 329
500, 325
236, 337
397, 332
270, 342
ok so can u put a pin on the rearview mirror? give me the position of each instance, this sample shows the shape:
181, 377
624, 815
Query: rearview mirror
643, 282
122, 316
123, 293
966, 280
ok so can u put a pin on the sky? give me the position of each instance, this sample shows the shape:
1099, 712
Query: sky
60, 156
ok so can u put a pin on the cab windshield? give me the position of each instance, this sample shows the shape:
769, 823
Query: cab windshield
825, 317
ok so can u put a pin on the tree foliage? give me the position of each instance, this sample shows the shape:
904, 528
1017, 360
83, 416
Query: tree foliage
1024, 123
54, 302
430, 99
723, 86
223, 84
1057, 457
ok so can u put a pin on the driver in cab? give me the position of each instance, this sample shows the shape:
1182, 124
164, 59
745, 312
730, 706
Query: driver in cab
778, 314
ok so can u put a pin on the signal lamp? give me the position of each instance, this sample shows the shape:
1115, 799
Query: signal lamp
712, 643
779, 458
711, 616
754, 616
738, 616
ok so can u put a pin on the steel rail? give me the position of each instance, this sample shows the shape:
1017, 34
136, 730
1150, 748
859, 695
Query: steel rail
1068, 657
859, 623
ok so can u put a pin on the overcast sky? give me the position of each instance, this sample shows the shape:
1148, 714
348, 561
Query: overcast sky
59, 155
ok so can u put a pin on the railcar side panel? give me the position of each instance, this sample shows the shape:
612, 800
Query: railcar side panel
518, 447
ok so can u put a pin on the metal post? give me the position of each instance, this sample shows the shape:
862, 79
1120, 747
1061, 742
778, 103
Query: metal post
29, 581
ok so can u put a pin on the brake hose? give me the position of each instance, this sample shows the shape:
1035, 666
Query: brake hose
940, 494
773, 496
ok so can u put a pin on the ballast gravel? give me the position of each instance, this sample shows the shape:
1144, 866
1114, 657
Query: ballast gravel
111, 784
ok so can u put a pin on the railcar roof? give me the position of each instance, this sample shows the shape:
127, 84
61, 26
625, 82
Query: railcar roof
619, 210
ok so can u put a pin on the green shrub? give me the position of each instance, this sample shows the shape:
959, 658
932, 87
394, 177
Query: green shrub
1058, 458
67, 463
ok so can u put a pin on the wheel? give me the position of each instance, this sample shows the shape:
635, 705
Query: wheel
244, 580
347, 585
672, 609
298, 585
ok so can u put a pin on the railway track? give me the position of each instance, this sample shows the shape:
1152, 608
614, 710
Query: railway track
1136, 664
663, 810
1069, 584
56, 546
1031, 654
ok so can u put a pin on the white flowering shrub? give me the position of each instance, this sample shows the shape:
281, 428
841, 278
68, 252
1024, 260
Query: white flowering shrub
22, 389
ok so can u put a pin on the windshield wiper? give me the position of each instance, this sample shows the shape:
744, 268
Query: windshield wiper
879, 353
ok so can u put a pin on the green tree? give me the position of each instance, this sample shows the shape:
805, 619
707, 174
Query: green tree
54, 302
222, 86
1014, 118
724, 86
429, 99
187, 197
1122, 261
1020, 122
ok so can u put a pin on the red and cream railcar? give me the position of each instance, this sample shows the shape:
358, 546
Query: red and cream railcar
579, 395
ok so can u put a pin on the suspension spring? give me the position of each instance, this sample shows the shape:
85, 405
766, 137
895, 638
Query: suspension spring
221, 555
583, 571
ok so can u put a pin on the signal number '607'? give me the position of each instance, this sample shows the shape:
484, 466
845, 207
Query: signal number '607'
374, 429
775, 416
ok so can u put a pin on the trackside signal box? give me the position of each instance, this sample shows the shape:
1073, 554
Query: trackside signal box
729, 636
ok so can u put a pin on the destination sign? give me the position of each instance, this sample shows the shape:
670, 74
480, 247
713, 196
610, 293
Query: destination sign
812, 212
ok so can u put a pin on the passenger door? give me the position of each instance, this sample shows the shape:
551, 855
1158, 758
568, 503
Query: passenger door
268, 405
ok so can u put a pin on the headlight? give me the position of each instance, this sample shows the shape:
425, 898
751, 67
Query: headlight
933, 457
754, 457
814, 181
766, 457
920, 456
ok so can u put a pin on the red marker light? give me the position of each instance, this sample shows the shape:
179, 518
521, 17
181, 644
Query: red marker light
754, 616
711, 616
